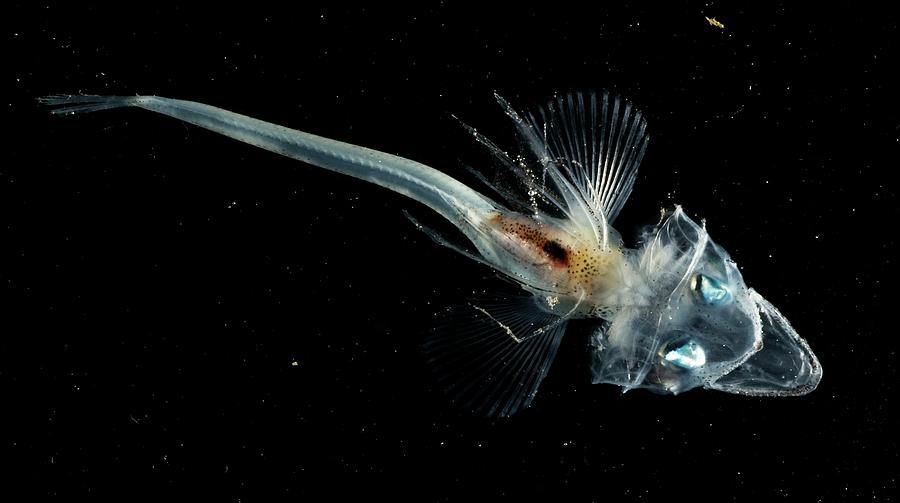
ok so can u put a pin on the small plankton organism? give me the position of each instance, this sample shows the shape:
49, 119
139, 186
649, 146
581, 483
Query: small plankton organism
712, 22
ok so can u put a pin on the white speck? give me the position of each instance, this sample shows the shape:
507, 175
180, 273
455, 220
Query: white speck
295, 364
552, 301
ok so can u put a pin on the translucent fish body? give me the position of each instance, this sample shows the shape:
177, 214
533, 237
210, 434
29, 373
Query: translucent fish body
670, 315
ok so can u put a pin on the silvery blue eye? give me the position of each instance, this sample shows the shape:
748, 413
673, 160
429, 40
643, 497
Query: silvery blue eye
710, 290
689, 355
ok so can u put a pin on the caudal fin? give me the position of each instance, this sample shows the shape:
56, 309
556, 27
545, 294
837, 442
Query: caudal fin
69, 104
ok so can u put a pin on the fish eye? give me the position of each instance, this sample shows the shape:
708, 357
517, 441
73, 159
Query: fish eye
712, 291
685, 354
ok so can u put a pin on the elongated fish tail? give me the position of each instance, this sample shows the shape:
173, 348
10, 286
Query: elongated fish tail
69, 104
446, 195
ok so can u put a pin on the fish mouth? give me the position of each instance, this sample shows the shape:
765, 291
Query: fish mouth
784, 366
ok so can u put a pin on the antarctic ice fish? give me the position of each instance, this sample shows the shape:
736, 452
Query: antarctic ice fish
668, 316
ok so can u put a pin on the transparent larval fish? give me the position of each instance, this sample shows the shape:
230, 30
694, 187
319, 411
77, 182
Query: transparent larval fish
671, 315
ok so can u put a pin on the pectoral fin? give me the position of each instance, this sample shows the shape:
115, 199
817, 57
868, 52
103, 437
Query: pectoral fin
591, 145
491, 355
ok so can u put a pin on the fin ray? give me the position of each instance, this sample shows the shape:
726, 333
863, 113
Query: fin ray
591, 147
492, 354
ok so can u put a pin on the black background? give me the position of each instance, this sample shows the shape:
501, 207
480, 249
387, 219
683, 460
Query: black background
160, 281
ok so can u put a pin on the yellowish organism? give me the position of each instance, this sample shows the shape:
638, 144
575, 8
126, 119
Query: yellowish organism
713, 22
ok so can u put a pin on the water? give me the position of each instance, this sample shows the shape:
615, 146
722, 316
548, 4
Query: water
162, 281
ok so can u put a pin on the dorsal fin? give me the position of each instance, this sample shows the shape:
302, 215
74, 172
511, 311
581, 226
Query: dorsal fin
591, 144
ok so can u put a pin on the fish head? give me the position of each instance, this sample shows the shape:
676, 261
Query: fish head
700, 325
